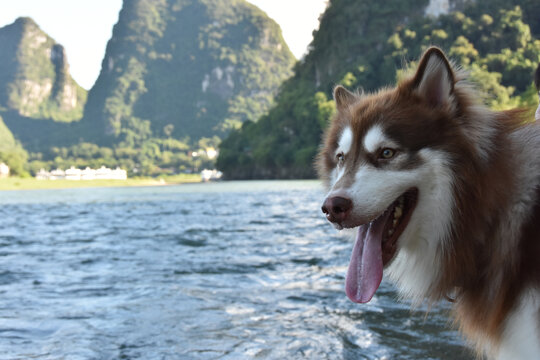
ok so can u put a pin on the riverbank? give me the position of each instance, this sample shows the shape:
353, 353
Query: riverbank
16, 183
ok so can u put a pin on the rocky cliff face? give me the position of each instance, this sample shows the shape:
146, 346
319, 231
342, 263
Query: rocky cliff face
199, 67
34, 75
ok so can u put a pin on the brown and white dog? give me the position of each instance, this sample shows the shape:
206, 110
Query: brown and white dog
444, 196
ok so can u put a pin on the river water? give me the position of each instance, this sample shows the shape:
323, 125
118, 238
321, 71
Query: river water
232, 270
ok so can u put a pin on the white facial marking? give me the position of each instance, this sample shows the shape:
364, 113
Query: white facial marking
374, 139
375, 189
345, 141
336, 175
417, 263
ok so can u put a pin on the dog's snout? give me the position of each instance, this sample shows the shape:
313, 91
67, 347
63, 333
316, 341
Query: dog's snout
336, 208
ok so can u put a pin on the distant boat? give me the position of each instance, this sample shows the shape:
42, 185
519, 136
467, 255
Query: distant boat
211, 175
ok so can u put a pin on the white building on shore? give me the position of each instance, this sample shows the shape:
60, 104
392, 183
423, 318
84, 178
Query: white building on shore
73, 173
211, 175
4, 170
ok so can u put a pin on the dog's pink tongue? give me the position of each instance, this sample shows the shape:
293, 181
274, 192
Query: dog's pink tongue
366, 267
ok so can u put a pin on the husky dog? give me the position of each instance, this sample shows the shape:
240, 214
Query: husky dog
444, 197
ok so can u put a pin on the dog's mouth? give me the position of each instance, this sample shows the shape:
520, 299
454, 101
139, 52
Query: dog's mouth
375, 247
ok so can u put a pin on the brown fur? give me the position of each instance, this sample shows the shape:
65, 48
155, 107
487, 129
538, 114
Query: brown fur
484, 273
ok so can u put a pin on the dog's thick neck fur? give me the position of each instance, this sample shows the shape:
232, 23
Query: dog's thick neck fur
490, 258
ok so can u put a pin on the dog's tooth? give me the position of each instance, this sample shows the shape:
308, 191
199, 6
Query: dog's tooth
390, 232
394, 223
398, 212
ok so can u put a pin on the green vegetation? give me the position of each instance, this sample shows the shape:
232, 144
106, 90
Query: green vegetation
37, 94
364, 44
177, 76
152, 157
200, 67
34, 75
11, 152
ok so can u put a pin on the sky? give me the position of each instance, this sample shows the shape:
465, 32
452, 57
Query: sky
83, 27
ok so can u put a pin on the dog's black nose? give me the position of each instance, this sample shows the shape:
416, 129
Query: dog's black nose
336, 208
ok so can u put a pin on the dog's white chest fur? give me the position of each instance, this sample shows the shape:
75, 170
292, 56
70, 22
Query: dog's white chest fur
521, 336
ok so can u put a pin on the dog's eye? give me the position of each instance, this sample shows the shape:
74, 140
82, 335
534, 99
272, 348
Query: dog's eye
387, 153
340, 158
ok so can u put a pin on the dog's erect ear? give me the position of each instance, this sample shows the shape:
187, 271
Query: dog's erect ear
434, 79
343, 97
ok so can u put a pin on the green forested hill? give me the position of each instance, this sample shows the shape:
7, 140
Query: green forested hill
177, 76
185, 68
39, 100
364, 44
34, 75
38, 97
